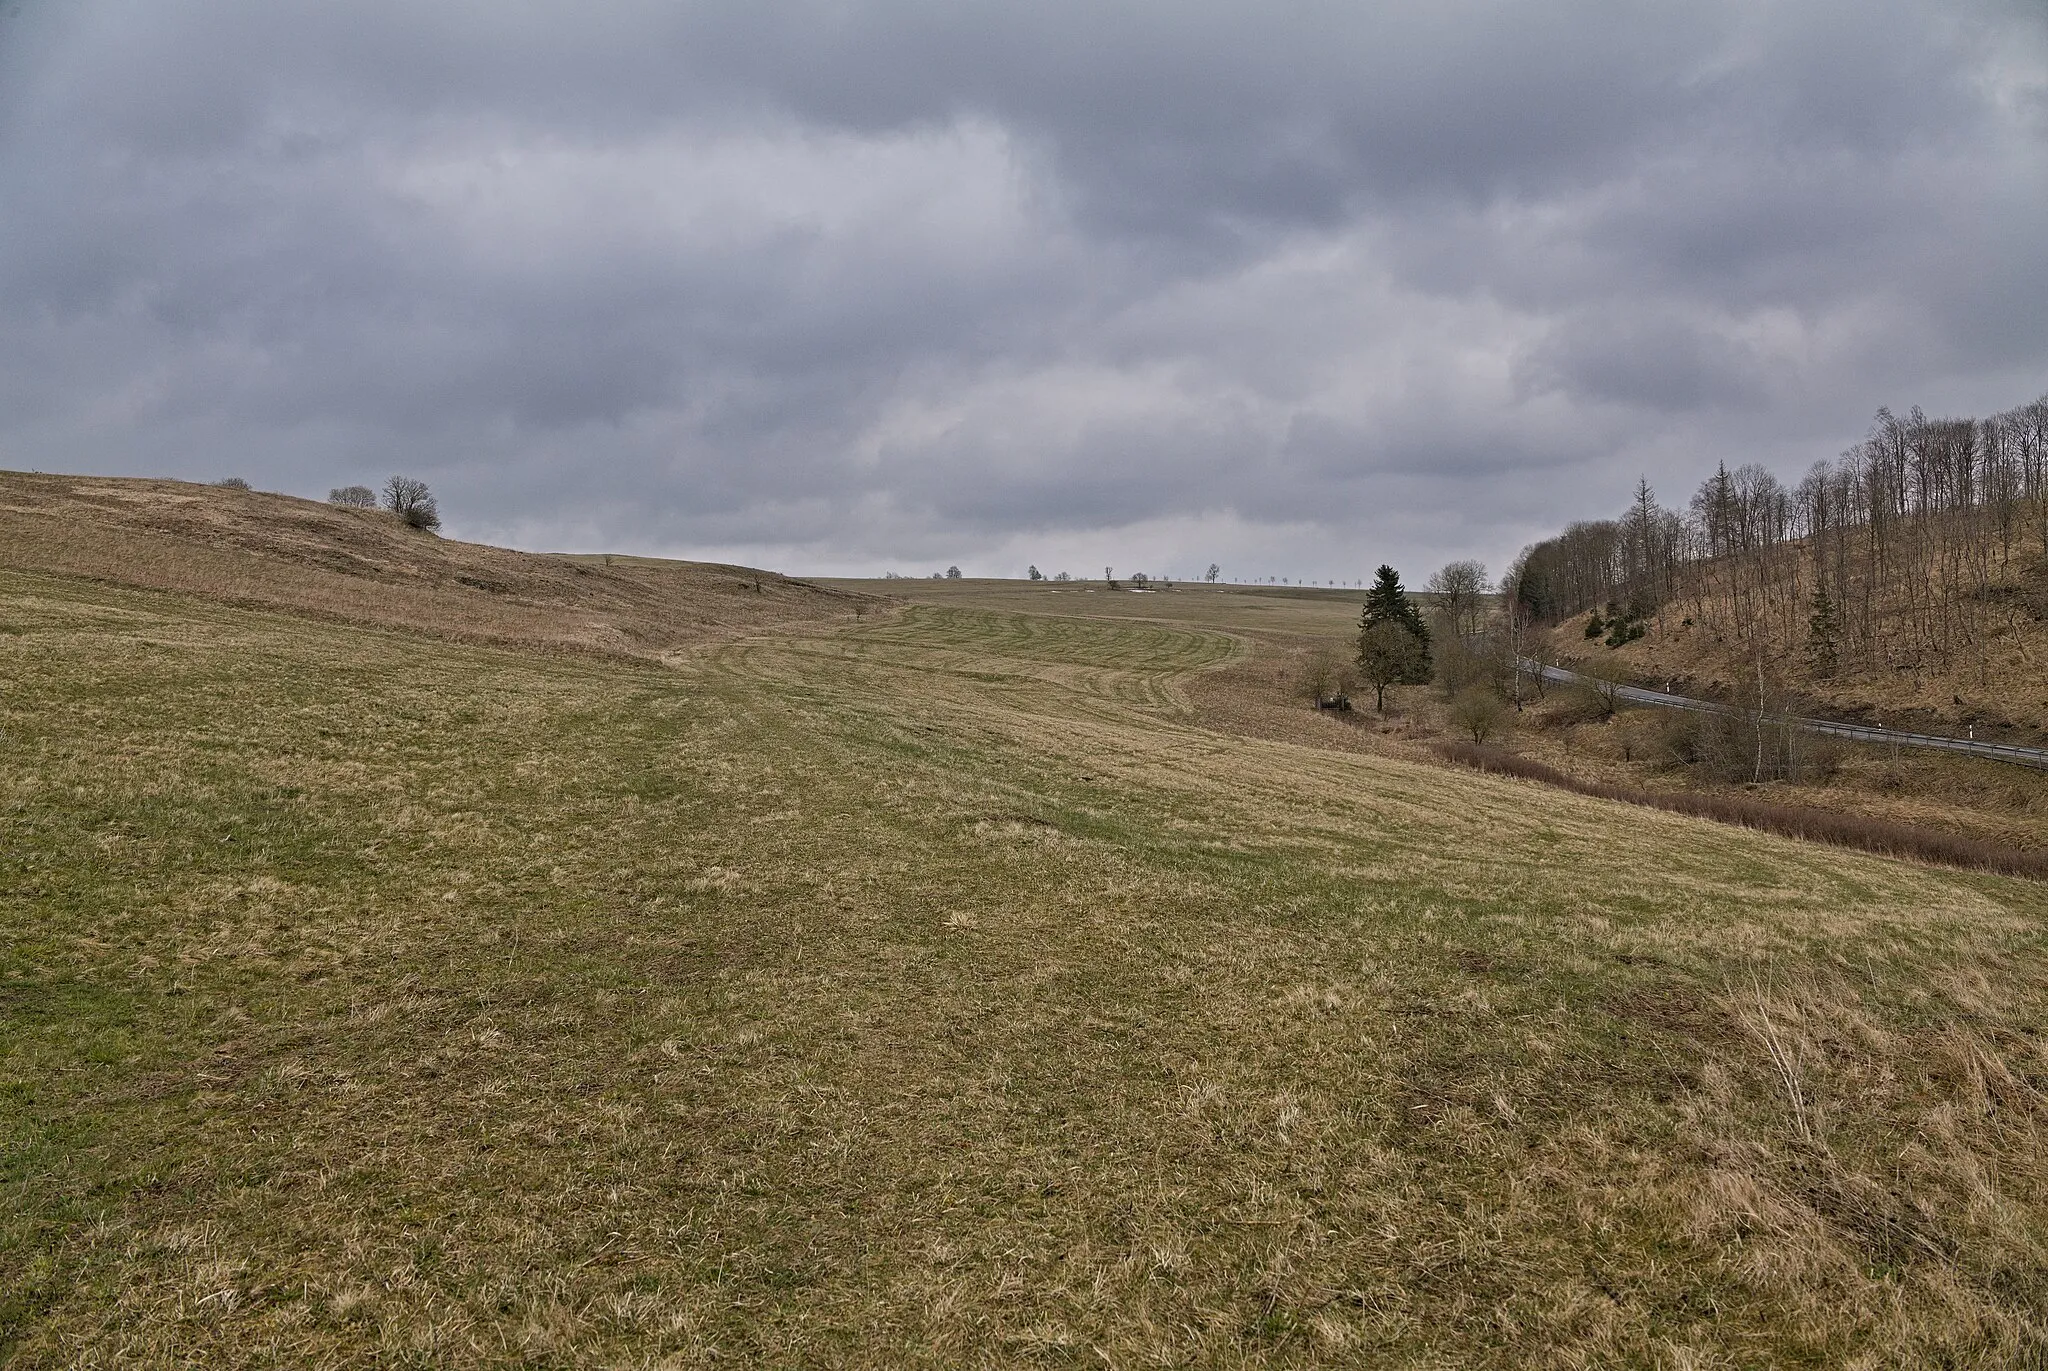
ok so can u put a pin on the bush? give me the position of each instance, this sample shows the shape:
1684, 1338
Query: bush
1327, 680
355, 497
1600, 690
1478, 712
232, 483
1724, 748
411, 501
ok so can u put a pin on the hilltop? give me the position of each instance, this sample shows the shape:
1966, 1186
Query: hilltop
365, 566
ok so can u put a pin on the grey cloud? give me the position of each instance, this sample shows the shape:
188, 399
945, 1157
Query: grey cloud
865, 281
1661, 364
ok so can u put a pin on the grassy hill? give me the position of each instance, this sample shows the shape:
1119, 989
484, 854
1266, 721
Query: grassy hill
934, 990
365, 566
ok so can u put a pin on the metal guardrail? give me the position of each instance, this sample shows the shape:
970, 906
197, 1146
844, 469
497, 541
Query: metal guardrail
2015, 753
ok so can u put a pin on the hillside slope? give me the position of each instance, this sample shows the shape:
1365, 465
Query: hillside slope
931, 992
364, 566
1999, 687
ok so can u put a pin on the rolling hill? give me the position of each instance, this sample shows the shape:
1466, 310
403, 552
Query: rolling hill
365, 566
926, 989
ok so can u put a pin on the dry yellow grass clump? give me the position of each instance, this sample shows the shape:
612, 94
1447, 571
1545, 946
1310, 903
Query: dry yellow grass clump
365, 566
933, 991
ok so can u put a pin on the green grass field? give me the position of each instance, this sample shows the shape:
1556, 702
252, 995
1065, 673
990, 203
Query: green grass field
931, 991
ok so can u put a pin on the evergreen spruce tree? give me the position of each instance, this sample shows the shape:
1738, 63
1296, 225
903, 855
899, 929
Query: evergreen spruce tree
1386, 602
1823, 636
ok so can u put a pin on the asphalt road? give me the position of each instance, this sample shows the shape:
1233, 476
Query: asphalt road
1863, 733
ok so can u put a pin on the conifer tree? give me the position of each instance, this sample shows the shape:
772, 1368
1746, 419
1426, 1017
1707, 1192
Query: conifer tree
1386, 602
1823, 636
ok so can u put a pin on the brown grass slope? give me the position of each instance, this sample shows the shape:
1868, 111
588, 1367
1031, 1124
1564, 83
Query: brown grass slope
1994, 677
364, 566
931, 992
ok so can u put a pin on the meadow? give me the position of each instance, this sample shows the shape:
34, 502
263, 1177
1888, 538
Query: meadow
934, 989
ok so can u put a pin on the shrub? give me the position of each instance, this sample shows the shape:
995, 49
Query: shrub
232, 483
1600, 689
1478, 711
1621, 632
1725, 747
411, 501
355, 497
1327, 680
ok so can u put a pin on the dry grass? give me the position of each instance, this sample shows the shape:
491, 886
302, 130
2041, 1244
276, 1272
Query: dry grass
1999, 683
365, 566
1818, 825
1967, 798
932, 991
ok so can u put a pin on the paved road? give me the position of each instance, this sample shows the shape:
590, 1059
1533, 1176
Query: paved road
1863, 733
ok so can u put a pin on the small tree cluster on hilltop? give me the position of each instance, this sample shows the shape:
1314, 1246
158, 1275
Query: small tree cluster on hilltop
411, 501
353, 497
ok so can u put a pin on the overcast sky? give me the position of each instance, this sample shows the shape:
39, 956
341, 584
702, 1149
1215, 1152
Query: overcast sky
849, 287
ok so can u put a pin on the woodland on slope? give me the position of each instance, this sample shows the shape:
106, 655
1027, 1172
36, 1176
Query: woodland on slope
1907, 579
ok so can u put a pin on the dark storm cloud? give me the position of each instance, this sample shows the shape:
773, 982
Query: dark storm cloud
835, 285
1662, 364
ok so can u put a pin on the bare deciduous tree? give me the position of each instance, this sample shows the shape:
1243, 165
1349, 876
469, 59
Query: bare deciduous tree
1603, 680
354, 497
411, 501
1460, 590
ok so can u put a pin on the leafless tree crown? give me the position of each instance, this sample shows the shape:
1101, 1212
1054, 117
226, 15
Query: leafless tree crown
411, 501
